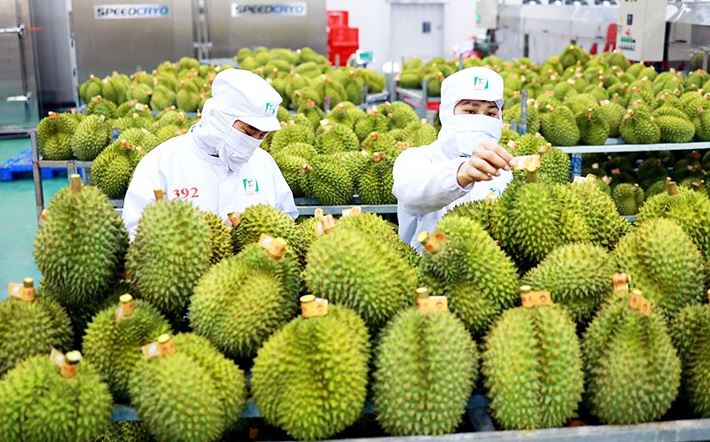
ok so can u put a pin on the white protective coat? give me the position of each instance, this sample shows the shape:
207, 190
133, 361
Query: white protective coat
425, 181
196, 167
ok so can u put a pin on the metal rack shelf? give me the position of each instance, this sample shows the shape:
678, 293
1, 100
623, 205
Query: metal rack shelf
418, 99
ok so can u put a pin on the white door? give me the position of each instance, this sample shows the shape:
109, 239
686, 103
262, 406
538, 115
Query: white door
417, 30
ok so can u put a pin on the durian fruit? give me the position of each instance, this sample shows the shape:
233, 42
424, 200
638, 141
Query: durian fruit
39, 401
113, 168
420, 133
593, 127
532, 365
310, 378
169, 254
294, 169
605, 224
54, 136
186, 390
291, 132
426, 366
632, 371
332, 138
639, 127
114, 337
91, 136
375, 182
613, 113
463, 263
140, 92
675, 129
90, 88
480, 211
578, 275
559, 127
100, 106
555, 165
690, 333
311, 111
80, 244
628, 198
689, 209
372, 122
259, 219
125, 431
220, 238
240, 302
532, 121
329, 182
533, 218
162, 97
352, 269
373, 225
663, 262
187, 98
400, 114
30, 324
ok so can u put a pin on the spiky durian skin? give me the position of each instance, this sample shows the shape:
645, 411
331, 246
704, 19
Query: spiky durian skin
112, 170
291, 133
29, 328
532, 366
348, 267
125, 431
170, 253
427, 365
480, 211
559, 127
334, 138
37, 403
577, 275
535, 218
54, 134
690, 333
372, 224
240, 302
632, 371
639, 128
264, 219
293, 168
113, 346
376, 181
91, 136
628, 198
479, 280
664, 263
220, 238
690, 210
330, 182
605, 224
289, 396
194, 394
675, 130
80, 246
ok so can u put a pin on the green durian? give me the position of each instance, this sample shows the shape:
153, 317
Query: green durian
169, 254
191, 394
675, 130
294, 169
690, 333
375, 182
220, 238
639, 127
80, 244
332, 138
426, 367
291, 397
559, 127
463, 263
248, 226
240, 302
352, 269
114, 338
532, 367
31, 324
605, 224
628, 198
125, 431
632, 371
577, 275
54, 136
663, 262
91, 136
614, 114
291, 133
593, 127
112, 170
90, 88
329, 182
39, 403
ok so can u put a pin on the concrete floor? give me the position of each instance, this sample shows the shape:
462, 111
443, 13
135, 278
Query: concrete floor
18, 222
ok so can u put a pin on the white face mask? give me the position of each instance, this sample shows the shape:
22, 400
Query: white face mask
237, 148
472, 130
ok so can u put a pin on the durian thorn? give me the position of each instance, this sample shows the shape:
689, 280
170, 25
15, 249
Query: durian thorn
671, 187
234, 219
159, 194
75, 183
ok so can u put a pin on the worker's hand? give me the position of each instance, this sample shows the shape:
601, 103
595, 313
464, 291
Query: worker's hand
485, 163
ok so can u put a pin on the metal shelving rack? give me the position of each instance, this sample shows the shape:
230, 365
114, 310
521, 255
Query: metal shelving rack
418, 99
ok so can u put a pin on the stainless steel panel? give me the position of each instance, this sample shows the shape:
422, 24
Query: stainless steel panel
54, 53
228, 34
129, 44
18, 94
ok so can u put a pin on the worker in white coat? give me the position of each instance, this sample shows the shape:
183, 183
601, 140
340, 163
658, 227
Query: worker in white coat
218, 164
464, 164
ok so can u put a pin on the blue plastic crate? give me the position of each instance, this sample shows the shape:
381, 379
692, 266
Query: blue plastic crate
20, 166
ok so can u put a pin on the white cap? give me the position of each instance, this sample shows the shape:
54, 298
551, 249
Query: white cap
246, 96
476, 83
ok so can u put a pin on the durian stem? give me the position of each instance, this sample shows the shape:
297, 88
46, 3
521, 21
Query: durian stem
75, 183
